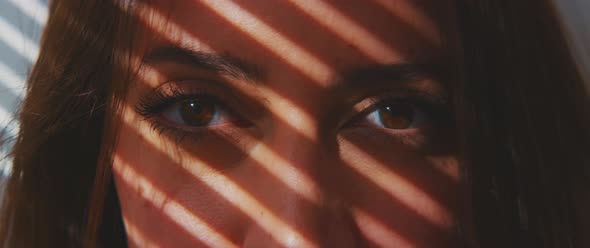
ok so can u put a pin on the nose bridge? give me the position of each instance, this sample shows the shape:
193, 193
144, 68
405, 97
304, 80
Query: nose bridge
318, 221
303, 149
304, 155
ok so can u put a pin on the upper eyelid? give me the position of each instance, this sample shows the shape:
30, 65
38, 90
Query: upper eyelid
156, 98
419, 99
227, 96
218, 84
235, 101
398, 94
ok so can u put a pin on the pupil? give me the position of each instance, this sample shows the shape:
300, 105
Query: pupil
398, 116
197, 113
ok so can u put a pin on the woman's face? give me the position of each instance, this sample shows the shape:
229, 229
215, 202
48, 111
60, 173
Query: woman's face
301, 123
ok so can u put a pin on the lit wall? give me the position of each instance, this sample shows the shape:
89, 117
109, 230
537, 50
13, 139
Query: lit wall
21, 22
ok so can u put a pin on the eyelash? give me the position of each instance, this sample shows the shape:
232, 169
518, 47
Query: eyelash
437, 108
153, 105
432, 132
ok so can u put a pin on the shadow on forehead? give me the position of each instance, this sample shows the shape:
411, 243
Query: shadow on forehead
337, 33
211, 27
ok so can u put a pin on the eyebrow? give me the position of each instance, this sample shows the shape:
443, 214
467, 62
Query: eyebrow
224, 64
228, 65
393, 73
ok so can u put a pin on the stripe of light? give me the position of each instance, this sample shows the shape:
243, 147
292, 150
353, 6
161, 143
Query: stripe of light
11, 129
5, 160
379, 233
170, 207
447, 166
280, 231
136, 236
347, 29
281, 168
8, 123
18, 42
290, 113
248, 204
286, 172
160, 24
266, 36
296, 117
398, 187
15, 84
34, 9
5, 165
11, 80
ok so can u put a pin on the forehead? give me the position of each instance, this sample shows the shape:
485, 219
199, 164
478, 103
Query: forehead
316, 38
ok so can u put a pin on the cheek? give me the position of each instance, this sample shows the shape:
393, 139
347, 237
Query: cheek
398, 194
212, 193
163, 203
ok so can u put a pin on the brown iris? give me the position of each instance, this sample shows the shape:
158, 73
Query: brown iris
397, 116
197, 112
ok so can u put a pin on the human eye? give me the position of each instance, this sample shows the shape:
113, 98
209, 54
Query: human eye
397, 115
196, 111
183, 111
414, 119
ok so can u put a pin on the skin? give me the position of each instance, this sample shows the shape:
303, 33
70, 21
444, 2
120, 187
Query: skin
296, 162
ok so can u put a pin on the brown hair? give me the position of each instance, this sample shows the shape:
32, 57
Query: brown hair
59, 152
523, 114
521, 107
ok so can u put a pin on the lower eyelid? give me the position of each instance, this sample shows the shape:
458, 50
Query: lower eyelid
415, 139
171, 124
413, 130
179, 134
